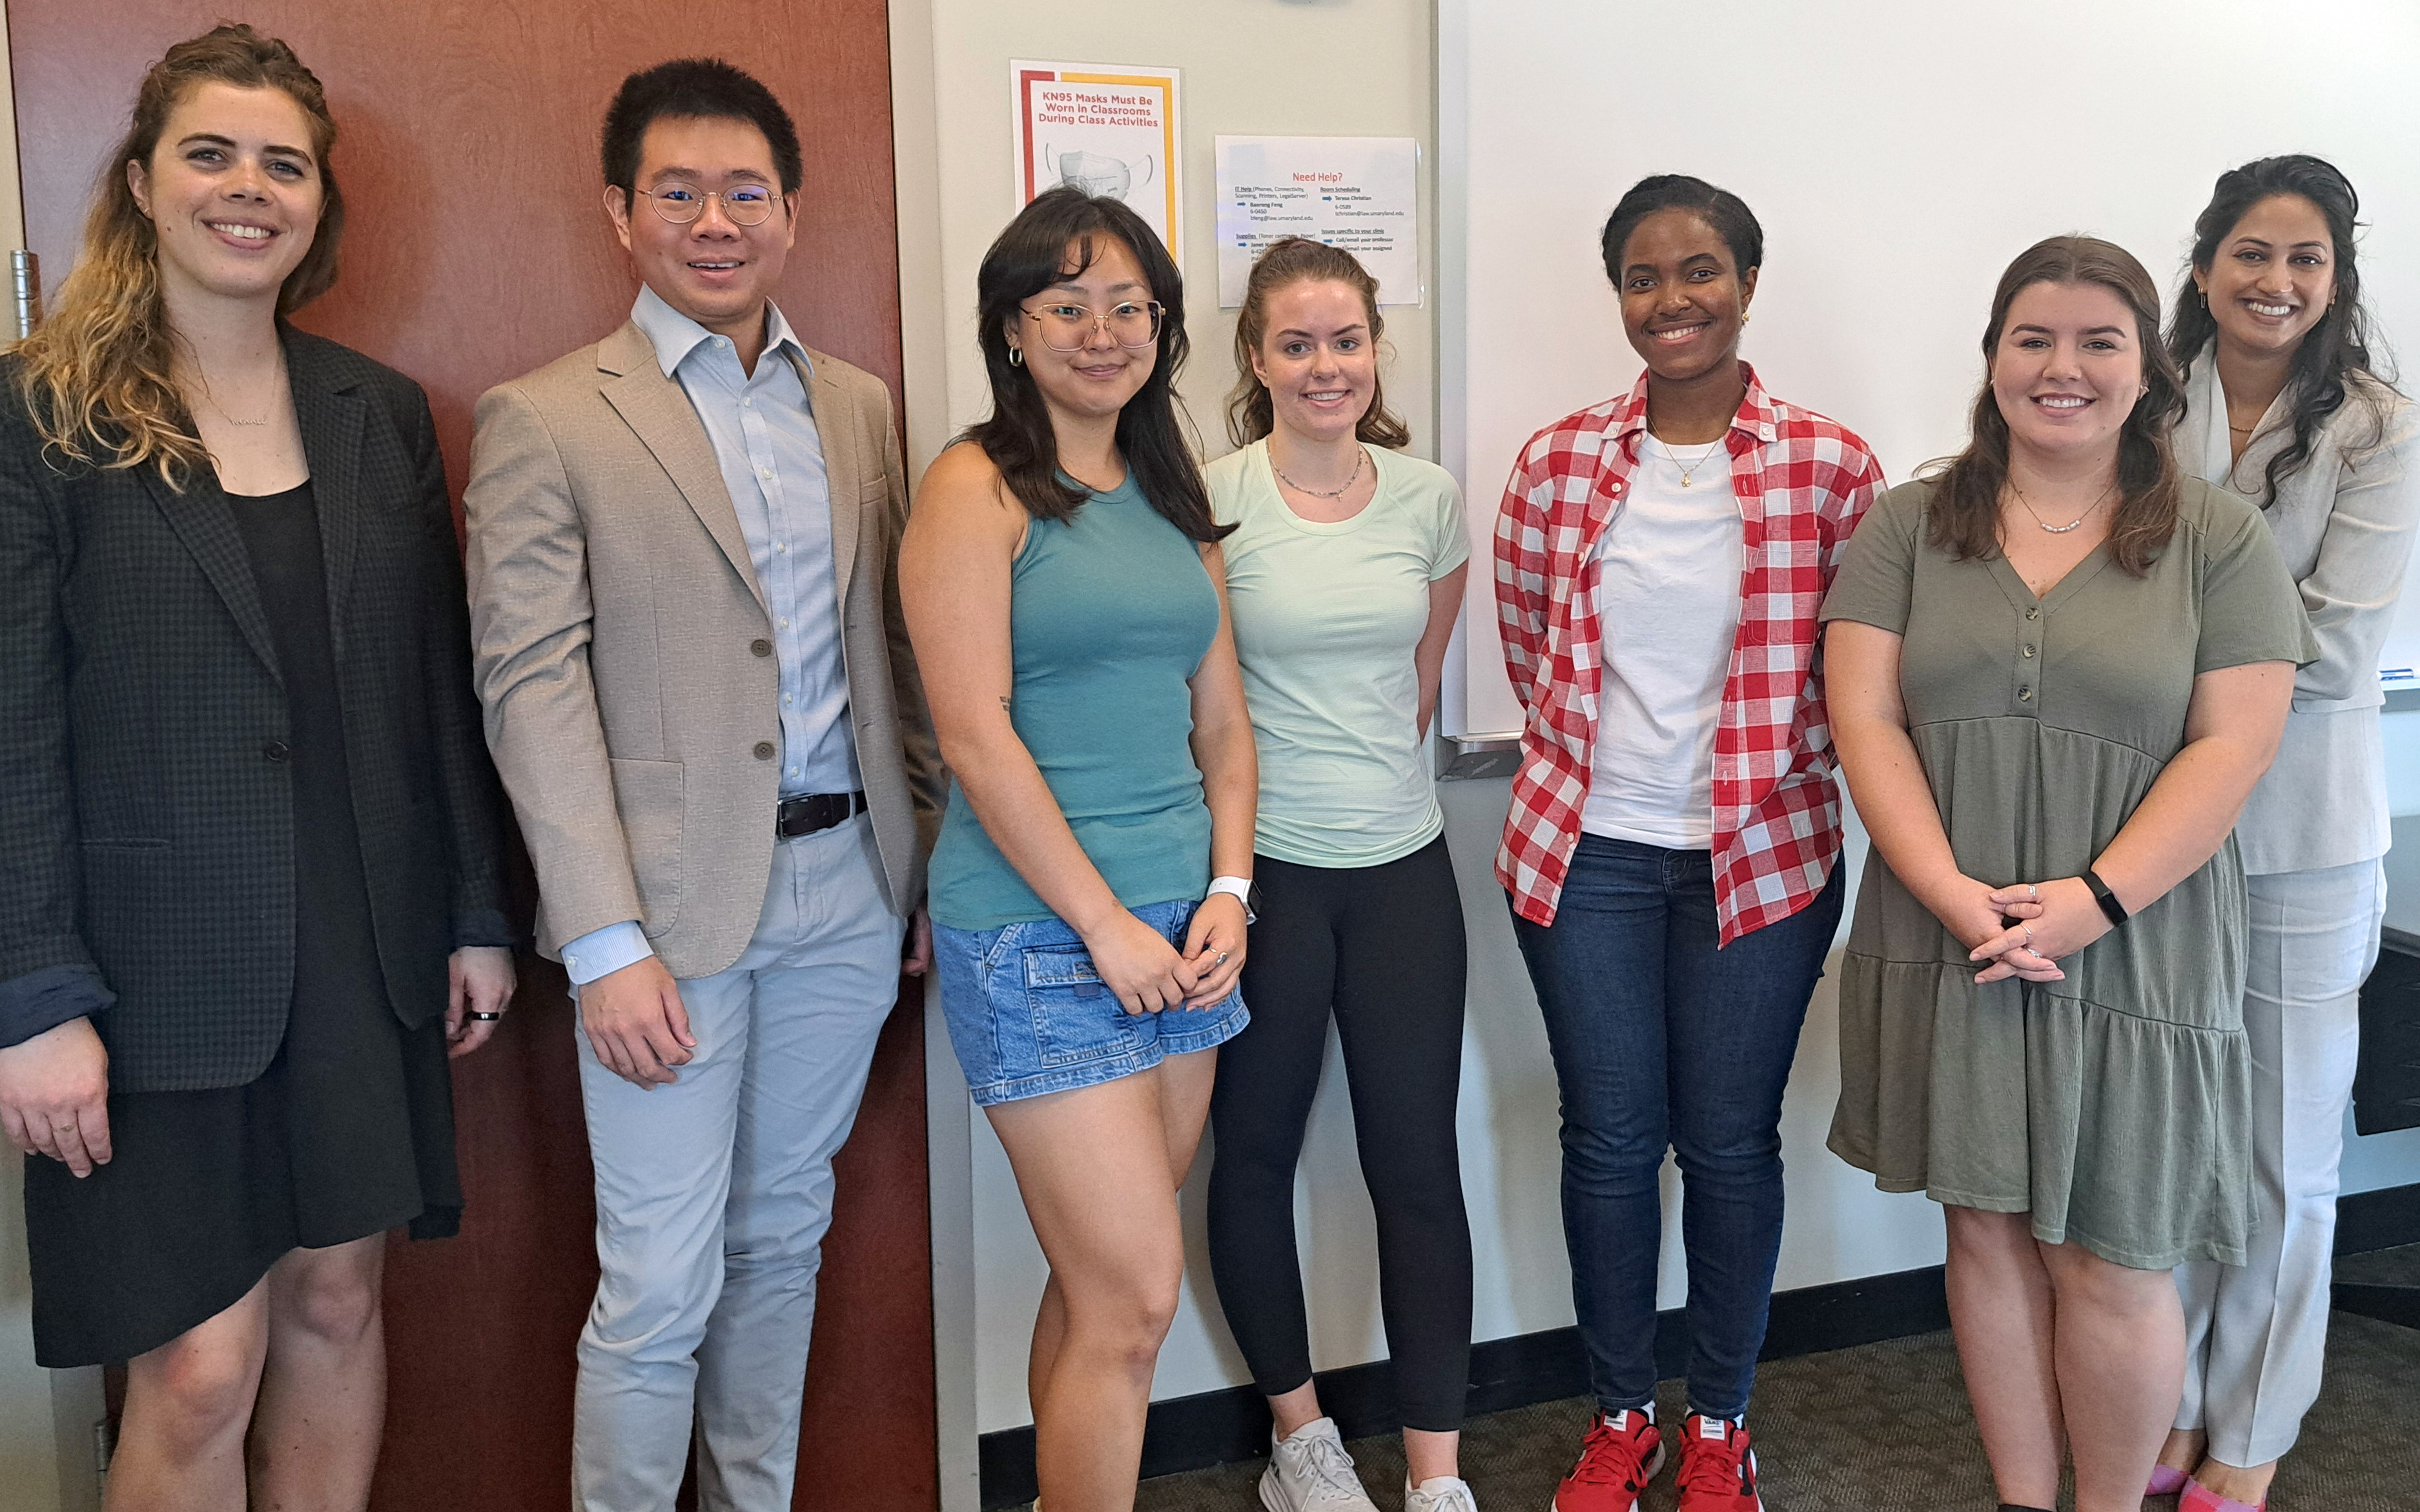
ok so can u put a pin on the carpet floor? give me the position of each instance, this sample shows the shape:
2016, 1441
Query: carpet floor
1884, 1427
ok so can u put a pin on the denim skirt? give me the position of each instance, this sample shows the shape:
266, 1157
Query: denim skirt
1027, 1012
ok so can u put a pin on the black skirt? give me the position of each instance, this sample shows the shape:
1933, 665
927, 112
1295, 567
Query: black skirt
348, 1133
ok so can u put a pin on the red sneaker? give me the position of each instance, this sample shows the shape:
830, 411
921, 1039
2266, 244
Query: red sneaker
1717, 1466
1621, 1455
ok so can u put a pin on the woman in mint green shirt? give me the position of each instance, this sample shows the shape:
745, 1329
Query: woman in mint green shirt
1344, 573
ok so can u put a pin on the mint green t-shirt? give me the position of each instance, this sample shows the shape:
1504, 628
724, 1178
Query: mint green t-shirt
1326, 618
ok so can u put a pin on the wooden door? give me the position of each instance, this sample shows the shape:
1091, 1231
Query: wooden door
476, 249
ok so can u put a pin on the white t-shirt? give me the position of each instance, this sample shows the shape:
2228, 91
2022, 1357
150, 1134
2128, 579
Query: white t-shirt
1668, 589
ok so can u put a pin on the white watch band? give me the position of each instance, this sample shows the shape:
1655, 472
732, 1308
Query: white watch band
1239, 888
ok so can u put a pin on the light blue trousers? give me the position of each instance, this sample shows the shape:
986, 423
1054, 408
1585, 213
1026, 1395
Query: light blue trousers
713, 1195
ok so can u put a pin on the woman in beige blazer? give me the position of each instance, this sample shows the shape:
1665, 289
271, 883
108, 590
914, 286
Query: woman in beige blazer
2283, 407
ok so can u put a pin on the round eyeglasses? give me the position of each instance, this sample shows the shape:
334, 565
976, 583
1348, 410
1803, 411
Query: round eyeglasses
1068, 328
682, 204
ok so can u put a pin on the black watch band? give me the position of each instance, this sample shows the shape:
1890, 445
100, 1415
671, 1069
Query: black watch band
2101, 895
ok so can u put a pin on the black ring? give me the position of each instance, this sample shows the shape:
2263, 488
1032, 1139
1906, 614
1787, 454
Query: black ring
482, 1018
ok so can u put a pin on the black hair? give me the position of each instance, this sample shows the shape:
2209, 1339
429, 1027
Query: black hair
1030, 256
694, 88
1724, 211
2336, 346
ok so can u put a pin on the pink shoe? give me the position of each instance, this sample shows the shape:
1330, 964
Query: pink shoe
2200, 1498
2166, 1480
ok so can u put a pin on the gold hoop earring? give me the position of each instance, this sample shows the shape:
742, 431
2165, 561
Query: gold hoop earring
1016, 357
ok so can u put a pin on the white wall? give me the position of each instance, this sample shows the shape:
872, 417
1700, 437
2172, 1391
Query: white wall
1283, 67
1309, 66
1364, 69
1899, 153
1240, 77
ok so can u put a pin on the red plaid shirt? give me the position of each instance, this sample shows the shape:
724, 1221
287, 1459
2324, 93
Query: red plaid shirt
1802, 483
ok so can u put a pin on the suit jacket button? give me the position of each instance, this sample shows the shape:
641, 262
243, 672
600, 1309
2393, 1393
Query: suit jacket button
761, 648
763, 750
276, 751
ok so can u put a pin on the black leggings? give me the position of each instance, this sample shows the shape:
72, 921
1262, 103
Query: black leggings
1383, 946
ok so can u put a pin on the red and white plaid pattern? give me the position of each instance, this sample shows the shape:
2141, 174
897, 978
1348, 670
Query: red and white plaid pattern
1802, 483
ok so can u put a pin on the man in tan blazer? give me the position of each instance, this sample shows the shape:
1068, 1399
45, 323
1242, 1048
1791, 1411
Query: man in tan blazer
699, 695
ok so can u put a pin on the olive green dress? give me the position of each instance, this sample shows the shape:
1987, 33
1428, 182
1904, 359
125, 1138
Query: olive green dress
2114, 1106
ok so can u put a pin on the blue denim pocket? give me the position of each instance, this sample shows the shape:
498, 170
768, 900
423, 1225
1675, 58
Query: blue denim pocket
1075, 1016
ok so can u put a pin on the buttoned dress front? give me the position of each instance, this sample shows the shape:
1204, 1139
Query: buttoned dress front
2110, 1105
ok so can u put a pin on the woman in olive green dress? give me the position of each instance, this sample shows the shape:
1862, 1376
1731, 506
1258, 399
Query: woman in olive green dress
2056, 669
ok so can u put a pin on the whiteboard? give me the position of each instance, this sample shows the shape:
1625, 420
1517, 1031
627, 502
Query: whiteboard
1899, 153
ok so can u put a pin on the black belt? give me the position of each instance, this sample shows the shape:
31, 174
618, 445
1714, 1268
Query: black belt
814, 811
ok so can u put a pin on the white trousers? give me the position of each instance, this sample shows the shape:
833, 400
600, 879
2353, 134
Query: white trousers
713, 1195
2255, 1334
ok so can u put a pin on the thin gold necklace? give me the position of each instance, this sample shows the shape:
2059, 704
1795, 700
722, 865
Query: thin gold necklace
1360, 456
1689, 467
2058, 529
211, 395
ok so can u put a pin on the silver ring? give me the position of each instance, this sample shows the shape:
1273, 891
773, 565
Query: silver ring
2035, 888
1222, 959
2029, 934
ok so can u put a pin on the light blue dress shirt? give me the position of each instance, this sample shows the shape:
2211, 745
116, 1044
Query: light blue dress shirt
762, 428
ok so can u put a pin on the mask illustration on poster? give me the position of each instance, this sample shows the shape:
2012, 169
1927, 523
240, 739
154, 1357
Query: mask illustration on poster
1097, 173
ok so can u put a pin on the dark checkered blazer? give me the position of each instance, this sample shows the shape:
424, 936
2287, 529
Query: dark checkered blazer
147, 828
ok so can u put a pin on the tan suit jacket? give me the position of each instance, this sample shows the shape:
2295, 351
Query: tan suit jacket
623, 650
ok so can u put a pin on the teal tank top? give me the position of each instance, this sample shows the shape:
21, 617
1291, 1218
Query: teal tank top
1109, 614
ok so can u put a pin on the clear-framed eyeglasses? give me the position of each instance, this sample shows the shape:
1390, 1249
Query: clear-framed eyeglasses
1068, 328
683, 203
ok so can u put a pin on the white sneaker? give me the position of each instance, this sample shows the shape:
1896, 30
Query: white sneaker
1439, 1493
1311, 1469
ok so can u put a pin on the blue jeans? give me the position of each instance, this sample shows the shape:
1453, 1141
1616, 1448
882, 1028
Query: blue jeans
1661, 1041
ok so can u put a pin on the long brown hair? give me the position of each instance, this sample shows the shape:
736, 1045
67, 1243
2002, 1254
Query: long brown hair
1965, 509
97, 375
1250, 413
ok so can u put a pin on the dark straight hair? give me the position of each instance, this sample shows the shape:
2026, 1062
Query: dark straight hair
694, 88
1061, 232
1724, 212
1965, 510
2336, 346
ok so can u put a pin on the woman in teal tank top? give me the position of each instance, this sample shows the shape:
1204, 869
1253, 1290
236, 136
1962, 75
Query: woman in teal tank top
1064, 591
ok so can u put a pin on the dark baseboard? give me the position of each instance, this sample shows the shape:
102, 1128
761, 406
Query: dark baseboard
2386, 1219
2388, 1304
1219, 1426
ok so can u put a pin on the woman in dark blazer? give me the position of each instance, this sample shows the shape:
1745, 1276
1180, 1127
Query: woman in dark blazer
252, 882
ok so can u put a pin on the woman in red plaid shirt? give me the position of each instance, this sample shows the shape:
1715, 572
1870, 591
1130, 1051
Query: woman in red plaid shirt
1659, 561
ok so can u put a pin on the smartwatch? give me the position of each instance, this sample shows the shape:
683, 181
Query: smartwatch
1242, 890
